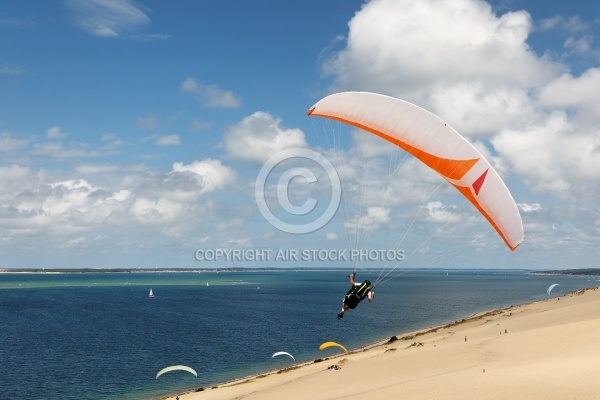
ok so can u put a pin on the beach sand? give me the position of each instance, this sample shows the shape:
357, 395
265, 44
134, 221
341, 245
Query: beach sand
544, 350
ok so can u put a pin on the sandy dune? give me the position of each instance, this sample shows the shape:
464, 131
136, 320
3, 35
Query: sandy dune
544, 350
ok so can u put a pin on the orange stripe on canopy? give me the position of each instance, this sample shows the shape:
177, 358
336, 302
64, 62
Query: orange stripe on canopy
452, 169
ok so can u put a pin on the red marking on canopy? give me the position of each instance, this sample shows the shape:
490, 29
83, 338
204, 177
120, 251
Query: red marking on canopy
479, 181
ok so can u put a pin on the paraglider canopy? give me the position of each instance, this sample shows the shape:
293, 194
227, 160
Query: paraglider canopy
281, 353
552, 287
432, 141
176, 368
331, 344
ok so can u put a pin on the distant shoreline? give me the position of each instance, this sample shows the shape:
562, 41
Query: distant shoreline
575, 271
155, 270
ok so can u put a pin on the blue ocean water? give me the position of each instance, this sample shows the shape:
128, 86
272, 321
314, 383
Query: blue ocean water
99, 335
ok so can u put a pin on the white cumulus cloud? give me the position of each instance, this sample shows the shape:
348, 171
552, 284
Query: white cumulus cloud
210, 174
55, 132
211, 95
457, 59
107, 18
372, 218
169, 140
575, 93
257, 137
554, 157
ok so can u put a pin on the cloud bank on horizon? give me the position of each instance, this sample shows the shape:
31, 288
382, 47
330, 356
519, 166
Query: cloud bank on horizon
145, 175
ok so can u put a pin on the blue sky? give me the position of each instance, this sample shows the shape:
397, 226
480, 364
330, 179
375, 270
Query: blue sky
132, 133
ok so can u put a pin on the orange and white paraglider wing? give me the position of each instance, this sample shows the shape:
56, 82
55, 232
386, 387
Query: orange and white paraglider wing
437, 145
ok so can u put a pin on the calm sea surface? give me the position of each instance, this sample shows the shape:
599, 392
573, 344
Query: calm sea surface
99, 336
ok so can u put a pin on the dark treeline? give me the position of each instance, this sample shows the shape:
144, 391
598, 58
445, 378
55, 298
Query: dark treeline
578, 271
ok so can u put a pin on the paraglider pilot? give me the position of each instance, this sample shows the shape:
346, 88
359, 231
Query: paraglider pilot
357, 293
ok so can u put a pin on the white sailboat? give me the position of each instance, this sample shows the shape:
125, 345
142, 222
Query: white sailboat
151, 294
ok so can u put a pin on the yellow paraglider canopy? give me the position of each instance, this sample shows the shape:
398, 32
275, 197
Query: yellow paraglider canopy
331, 344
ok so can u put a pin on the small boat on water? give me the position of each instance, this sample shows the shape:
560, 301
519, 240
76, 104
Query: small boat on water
151, 295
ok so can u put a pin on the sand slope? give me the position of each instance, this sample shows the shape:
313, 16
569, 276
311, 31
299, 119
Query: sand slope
545, 350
